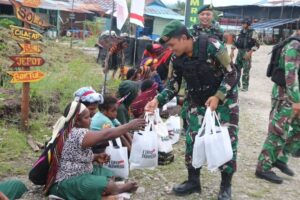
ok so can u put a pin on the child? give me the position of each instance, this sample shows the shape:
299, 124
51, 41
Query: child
76, 177
106, 118
89, 97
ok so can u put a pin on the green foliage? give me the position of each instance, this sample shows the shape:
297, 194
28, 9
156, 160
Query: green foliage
13, 149
2, 46
94, 26
6, 23
91, 41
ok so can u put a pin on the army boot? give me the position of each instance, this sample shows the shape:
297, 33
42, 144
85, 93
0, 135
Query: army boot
269, 176
283, 167
191, 185
296, 154
225, 188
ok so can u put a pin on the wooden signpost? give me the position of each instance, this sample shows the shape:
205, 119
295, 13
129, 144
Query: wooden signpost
28, 50
26, 15
32, 3
25, 33
26, 76
26, 61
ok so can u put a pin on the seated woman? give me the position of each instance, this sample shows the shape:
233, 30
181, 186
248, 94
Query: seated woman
12, 189
76, 177
89, 97
106, 118
148, 92
127, 92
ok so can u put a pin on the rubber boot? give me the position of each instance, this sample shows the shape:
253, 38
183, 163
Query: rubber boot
191, 185
225, 187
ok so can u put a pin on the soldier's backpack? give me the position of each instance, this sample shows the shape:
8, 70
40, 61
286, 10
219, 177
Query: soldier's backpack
274, 72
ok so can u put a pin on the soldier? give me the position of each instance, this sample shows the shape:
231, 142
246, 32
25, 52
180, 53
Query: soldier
284, 124
246, 45
207, 26
207, 23
205, 66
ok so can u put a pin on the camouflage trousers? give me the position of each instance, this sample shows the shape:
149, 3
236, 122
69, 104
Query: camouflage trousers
283, 136
183, 113
244, 66
228, 114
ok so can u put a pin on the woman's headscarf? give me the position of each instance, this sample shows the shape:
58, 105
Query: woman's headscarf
88, 95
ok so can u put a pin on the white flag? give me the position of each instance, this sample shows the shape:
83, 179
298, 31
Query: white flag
137, 12
121, 13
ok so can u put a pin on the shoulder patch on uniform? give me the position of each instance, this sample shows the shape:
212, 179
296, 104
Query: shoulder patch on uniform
215, 42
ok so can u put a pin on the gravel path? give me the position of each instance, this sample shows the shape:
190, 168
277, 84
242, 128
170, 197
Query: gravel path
254, 111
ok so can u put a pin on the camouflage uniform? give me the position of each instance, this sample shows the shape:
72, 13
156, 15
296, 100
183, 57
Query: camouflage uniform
241, 63
214, 31
284, 130
228, 109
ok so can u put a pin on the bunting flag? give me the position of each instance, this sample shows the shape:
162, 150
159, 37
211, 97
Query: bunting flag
121, 13
137, 12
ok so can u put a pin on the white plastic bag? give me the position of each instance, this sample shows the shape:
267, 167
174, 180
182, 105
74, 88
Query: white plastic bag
173, 124
199, 155
144, 149
161, 129
218, 147
170, 104
118, 163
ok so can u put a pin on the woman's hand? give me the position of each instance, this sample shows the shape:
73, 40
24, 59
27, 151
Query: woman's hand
136, 124
101, 158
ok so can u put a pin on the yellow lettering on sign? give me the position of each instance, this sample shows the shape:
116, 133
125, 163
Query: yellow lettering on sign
195, 3
194, 11
193, 19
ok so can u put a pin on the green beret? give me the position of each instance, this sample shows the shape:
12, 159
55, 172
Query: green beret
171, 29
205, 7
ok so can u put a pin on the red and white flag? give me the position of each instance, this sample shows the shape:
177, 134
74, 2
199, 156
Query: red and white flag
137, 12
121, 13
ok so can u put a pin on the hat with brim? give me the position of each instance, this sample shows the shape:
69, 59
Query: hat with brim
205, 7
172, 29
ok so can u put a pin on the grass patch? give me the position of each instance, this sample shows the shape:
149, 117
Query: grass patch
91, 41
13, 148
258, 194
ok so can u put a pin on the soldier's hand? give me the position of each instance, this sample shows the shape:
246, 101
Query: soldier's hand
151, 106
212, 102
296, 110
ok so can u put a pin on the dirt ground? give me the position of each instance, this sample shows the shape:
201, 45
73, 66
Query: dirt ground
254, 111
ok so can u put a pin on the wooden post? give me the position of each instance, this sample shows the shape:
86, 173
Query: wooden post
25, 99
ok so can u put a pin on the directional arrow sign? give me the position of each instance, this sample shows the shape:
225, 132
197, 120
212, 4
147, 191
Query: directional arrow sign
26, 61
26, 15
32, 3
28, 49
26, 76
25, 33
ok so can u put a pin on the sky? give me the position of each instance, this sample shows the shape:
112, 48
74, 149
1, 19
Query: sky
220, 3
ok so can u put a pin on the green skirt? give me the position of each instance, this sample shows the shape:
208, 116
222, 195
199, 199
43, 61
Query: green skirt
13, 189
86, 186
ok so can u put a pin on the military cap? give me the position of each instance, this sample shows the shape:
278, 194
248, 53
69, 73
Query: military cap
205, 7
172, 29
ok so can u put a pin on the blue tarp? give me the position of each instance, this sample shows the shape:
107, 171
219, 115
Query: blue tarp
272, 23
